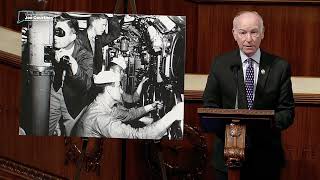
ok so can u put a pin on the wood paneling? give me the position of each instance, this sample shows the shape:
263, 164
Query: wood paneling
291, 32
302, 144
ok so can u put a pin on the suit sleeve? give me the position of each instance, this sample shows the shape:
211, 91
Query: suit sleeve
284, 115
124, 114
82, 79
211, 94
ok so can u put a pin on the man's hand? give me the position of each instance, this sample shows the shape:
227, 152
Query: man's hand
72, 62
139, 88
60, 53
157, 105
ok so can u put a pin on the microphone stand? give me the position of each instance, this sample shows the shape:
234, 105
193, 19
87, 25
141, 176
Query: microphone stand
235, 70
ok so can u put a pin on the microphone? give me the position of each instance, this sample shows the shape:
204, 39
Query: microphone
235, 69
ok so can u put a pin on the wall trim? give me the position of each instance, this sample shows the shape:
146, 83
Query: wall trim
26, 172
300, 98
10, 59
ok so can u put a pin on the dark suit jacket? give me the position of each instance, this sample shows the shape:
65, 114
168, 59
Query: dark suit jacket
76, 87
101, 41
273, 92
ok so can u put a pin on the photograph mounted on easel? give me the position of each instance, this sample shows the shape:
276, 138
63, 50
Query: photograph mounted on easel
102, 75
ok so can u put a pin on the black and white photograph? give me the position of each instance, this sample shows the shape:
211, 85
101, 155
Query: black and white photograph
102, 75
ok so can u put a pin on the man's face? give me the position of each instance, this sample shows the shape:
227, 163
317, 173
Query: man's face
115, 91
99, 25
248, 33
118, 69
63, 35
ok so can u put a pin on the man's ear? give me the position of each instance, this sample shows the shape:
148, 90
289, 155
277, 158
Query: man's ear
262, 34
93, 23
107, 88
73, 37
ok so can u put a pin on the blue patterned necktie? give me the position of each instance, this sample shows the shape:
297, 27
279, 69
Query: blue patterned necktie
250, 83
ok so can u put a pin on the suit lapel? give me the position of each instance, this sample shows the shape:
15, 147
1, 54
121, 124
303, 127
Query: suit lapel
242, 90
242, 98
88, 42
264, 69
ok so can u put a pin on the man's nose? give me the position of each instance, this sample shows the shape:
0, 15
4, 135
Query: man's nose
248, 37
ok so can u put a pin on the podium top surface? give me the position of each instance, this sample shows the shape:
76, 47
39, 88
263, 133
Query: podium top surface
236, 113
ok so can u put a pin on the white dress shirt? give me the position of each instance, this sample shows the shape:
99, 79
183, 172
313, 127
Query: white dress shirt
91, 37
256, 62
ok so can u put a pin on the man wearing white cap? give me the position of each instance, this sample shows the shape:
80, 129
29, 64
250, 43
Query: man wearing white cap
104, 119
118, 65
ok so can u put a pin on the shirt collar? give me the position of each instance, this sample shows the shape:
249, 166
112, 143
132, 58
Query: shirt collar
256, 56
67, 51
91, 34
70, 51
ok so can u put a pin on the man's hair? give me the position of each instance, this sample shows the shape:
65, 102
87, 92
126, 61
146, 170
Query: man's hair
235, 19
96, 16
72, 23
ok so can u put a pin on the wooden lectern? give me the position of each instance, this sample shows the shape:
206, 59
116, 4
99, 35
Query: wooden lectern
235, 132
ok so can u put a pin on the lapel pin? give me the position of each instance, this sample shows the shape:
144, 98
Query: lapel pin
263, 71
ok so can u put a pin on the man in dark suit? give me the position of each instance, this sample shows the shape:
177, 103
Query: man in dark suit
250, 78
101, 32
72, 79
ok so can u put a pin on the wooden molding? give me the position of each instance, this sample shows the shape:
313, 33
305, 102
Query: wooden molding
10, 59
237, 113
193, 95
21, 171
302, 98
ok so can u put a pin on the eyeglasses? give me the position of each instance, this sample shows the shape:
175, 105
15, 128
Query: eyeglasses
243, 34
59, 32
